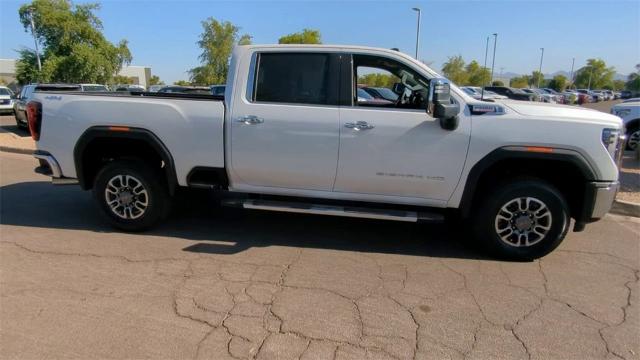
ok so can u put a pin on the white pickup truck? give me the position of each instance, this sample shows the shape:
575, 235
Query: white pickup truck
290, 135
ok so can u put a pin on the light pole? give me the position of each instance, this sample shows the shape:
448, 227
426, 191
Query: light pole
493, 61
573, 62
486, 51
540, 68
418, 31
35, 40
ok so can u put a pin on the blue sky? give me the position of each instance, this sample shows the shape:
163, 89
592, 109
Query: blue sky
163, 33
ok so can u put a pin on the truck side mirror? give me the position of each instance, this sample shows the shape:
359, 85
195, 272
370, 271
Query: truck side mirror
440, 105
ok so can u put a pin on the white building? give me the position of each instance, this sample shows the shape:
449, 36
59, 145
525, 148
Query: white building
139, 74
7, 71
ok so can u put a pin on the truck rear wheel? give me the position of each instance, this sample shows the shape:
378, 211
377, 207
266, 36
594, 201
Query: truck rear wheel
131, 195
522, 220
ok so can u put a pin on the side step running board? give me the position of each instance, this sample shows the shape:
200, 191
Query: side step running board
356, 212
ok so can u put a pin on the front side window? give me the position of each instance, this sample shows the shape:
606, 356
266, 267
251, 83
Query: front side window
390, 83
296, 78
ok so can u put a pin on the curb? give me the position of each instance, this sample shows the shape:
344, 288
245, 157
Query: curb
16, 150
625, 208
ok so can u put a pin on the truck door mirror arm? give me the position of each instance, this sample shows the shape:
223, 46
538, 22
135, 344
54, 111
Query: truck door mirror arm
440, 105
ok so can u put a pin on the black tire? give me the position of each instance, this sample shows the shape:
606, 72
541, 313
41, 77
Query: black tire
633, 135
486, 221
158, 201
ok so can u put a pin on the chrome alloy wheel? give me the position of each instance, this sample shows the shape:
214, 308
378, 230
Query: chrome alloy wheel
126, 196
634, 140
523, 221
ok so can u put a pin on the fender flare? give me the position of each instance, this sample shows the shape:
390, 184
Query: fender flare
119, 132
519, 152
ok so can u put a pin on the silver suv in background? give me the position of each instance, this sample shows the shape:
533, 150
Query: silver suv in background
6, 99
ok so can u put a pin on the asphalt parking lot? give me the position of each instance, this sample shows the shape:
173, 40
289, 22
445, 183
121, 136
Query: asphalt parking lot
222, 283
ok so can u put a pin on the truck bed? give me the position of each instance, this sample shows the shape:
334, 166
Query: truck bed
189, 125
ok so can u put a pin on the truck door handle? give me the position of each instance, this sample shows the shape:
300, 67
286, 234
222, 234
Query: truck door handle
359, 125
250, 120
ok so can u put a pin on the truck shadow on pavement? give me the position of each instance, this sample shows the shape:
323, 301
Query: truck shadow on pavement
15, 129
197, 218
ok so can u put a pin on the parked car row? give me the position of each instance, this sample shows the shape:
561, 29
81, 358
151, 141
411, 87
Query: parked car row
547, 95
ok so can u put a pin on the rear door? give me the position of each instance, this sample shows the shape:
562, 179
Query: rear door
285, 127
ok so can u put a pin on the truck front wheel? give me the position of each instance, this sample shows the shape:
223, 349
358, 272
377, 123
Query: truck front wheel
131, 195
522, 220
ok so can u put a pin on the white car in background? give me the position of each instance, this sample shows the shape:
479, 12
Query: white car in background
545, 96
630, 114
93, 87
155, 88
476, 93
6, 99
631, 100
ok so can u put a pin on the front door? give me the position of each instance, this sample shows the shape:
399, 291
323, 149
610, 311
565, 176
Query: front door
285, 130
392, 146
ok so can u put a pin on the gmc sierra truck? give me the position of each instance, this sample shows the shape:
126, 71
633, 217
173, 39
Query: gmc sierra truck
290, 134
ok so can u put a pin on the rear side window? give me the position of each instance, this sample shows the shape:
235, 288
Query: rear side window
296, 78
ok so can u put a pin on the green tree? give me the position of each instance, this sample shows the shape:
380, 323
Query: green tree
597, 71
27, 67
455, 71
537, 79
181, 83
520, 81
497, 83
216, 41
618, 85
155, 80
558, 83
74, 50
633, 83
477, 75
378, 80
122, 80
307, 36
245, 39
